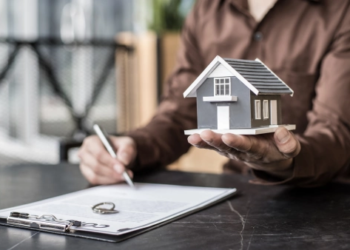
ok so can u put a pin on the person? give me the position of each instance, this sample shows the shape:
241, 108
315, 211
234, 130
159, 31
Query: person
306, 43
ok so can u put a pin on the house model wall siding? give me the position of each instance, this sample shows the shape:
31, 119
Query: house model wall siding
240, 112
265, 121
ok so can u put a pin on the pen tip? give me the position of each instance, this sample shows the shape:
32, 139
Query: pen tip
128, 180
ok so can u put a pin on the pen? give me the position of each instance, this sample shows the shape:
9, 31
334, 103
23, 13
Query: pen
106, 142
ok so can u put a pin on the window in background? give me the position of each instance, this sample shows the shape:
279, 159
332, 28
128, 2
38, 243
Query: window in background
32, 117
80, 67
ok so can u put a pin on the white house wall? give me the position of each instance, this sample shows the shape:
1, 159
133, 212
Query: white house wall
220, 71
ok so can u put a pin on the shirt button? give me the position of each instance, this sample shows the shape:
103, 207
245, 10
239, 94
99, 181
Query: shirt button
258, 36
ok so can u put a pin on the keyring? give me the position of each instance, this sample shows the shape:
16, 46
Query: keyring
100, 210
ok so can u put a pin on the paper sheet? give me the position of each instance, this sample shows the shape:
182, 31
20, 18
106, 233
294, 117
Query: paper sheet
147, 205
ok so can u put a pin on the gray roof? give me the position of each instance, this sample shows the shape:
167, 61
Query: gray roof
260, 76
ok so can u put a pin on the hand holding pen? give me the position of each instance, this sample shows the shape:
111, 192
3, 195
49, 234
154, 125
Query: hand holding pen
99, 167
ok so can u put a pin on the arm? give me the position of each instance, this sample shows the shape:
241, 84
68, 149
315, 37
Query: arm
326, 142
323, 151
162, 141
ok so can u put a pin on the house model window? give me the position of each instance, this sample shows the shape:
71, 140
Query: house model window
257, 109
222, 86
266, 109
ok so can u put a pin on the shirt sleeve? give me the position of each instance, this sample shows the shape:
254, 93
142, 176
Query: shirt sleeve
162, 140
325, 145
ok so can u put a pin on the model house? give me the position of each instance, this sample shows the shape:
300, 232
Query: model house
243, 96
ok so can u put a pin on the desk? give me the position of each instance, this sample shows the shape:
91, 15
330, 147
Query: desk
261, 217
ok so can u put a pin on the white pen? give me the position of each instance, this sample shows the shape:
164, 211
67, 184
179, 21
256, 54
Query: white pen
106, 142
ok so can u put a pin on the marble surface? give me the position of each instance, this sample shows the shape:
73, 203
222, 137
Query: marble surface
260, 217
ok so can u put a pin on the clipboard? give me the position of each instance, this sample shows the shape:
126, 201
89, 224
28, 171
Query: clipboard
67, 228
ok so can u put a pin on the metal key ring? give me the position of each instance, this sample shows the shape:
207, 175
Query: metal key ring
99, 210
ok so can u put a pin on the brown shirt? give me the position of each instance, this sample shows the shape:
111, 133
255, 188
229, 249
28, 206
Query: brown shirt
306, 43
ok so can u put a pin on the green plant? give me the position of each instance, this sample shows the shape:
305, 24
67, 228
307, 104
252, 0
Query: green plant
169, 15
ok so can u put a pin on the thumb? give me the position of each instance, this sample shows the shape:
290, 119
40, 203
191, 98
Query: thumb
286, 142
126, 150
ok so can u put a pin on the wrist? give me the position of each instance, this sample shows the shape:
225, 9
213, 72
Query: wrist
283, 169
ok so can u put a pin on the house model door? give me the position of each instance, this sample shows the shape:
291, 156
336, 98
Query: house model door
223, 117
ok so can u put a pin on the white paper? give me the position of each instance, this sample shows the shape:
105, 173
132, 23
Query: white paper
147, 205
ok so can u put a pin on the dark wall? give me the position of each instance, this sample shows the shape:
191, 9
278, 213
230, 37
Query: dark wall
262, 121
240, 116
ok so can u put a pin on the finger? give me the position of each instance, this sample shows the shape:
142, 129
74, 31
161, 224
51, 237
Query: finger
196, 140
238, 142
98, 168
119, 168
255, 148
286, 142
95, 147
214, 140
95, 179
131, 174
126, 150
121, 171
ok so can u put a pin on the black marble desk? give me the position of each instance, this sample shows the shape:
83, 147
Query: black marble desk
261, 217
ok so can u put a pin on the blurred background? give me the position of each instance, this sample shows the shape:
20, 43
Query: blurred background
66, 64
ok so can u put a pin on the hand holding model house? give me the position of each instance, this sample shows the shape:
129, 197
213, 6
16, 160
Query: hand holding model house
239, 115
